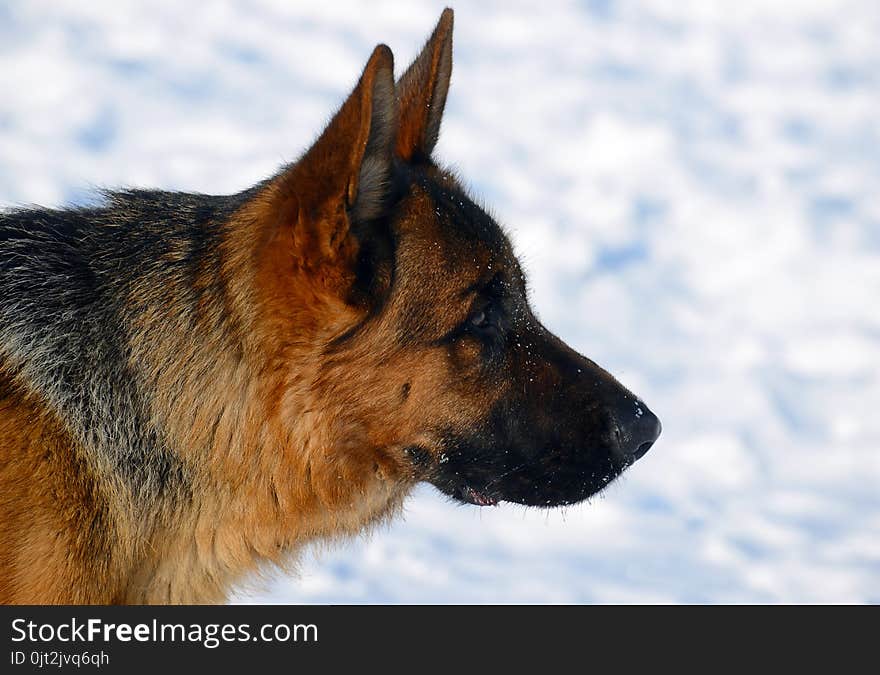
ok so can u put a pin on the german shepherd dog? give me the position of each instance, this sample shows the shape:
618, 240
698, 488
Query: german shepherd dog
194, 386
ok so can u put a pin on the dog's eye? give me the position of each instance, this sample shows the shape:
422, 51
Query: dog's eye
485, 324
479, 319
484, 320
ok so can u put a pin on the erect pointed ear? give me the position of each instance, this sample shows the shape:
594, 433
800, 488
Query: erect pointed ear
351, 160
421, 93
322, 206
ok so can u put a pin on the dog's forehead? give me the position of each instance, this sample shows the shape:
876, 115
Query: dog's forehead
447, 231
449, 251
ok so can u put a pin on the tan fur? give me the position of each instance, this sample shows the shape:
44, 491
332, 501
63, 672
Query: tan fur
48, 486
283, 439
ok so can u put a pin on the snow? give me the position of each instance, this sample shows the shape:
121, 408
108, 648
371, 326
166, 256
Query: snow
692, 186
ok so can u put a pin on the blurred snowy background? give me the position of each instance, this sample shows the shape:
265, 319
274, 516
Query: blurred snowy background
694, 187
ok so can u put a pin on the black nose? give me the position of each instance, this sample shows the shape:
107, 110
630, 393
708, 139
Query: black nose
636, 430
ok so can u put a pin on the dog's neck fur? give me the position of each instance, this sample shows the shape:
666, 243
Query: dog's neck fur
244, 501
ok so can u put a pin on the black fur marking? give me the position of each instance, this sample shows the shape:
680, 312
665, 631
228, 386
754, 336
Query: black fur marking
551, 438
73, 283
419, 456
461, 215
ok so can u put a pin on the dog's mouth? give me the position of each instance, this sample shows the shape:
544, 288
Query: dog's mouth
454, 487
475, 476
469, 495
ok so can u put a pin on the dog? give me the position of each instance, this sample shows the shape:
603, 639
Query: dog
193, 387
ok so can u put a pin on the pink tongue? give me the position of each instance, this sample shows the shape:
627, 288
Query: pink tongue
480, 499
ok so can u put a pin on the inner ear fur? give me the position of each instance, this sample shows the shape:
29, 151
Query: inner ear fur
344, 176
366, 194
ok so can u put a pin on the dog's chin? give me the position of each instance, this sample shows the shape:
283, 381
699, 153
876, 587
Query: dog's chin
546, 491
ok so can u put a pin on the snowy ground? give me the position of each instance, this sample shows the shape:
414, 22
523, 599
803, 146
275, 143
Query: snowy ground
695, 189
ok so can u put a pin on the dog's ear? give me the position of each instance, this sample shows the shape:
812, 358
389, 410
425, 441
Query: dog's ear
322, 206
421, 94
320, 215
350, 162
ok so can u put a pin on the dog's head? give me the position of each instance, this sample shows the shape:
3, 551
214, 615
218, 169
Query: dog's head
406, 312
